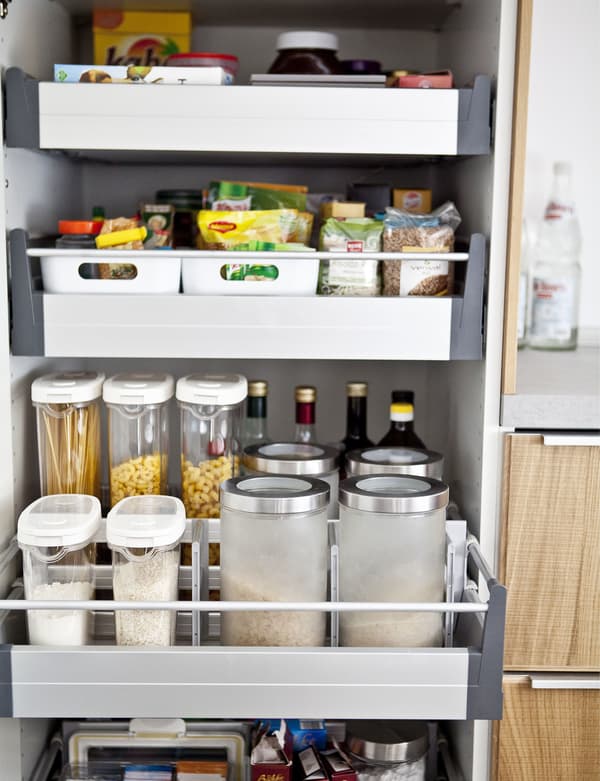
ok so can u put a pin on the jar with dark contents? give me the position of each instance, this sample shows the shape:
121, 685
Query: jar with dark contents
187, 204
307, 52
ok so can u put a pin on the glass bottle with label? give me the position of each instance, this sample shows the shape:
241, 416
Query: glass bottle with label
402, 414
306, 402
556, 273
255, 425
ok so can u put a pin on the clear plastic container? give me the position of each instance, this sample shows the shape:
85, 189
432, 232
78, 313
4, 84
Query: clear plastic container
68, 432
392, 537
55, 535
395, 461
297, 459
144, 533
138, 433
274, 547
388, 750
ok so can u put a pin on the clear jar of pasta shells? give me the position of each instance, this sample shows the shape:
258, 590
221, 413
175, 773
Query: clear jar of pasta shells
211, 414
68, 432
138, 433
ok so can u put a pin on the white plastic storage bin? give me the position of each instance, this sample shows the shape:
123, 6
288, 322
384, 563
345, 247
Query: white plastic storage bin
66, 271
296, 275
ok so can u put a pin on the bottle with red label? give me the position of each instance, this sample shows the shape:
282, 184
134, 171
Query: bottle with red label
555, 272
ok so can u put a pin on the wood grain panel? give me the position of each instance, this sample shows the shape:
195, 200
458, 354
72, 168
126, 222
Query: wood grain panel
517, 182
550, 555
547, 734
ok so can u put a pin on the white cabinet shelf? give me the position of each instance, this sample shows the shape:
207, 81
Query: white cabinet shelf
102, 119
185, 326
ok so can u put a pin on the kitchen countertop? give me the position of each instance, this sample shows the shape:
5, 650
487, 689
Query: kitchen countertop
555, 390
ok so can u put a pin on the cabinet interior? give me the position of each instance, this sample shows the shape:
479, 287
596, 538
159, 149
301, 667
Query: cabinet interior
43, 187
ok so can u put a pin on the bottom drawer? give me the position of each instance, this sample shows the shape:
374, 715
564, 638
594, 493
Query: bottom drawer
549, 733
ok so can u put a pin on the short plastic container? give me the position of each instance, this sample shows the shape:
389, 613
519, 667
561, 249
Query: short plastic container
55, 535
138, 433
395, 461
392, 538
388, 750
297, 459
229, 62
72, 272
294, 276
68, 431
274, 547
144, 533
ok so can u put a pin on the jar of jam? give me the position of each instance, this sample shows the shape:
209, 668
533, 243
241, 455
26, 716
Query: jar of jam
307, 52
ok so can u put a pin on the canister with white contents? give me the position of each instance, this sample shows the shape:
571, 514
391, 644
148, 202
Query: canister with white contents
138, 433
388, 750
55, 535
144, 534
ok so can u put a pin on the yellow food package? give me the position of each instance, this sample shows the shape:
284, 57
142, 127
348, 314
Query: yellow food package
223, 230
303, 228
143, 38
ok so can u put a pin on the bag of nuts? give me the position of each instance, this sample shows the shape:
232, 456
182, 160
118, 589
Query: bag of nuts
405, 231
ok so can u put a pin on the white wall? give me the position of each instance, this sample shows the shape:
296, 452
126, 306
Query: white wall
564, 124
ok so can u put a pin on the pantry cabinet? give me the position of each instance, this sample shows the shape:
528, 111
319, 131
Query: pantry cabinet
62, 159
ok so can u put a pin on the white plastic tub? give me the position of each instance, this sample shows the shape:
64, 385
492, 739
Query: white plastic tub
297, 276
65, 271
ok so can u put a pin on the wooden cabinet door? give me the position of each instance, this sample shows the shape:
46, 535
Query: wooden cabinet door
550, 559
547, 734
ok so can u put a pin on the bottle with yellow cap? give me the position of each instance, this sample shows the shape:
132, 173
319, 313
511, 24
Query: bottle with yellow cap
306, 402
402, 414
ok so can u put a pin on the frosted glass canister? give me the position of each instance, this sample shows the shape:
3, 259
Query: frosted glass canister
395, 461
392, 538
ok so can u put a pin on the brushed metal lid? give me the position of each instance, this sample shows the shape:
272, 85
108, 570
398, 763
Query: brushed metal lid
388, 741
395, 461
274, 494
290, 458
393, 493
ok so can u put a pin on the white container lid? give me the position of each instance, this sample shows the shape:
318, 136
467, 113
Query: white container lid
67, 387
145, 522
307, 39
136, 388
212, 389
60, 520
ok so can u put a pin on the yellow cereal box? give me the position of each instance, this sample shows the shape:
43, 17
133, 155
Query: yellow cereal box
143, 38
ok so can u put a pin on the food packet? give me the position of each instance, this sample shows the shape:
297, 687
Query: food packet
119, 270
302, 230
360, 234
225, 230
350, 277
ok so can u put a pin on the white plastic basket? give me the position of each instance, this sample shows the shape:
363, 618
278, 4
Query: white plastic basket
297, 275
156, 272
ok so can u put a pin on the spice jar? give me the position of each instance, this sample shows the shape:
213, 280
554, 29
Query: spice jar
54, 534
274, 547
388, 750
138, 433
68, 430
144, 534
298, 459
392, 537
187, 204
307, 52
395, 461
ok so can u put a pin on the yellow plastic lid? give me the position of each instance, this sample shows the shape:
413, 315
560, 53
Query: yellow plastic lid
120, 237
401, 408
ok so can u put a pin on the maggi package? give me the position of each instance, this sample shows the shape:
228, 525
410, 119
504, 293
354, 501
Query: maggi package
224, 230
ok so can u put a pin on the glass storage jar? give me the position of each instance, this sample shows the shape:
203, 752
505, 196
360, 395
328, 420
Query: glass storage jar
392, 538
388, 750
144, 533
68, 431
274, 547
138, 433
298, 459
395, 461
55, 535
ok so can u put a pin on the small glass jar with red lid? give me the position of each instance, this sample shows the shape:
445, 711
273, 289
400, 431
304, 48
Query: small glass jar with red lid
78, 234
307, 52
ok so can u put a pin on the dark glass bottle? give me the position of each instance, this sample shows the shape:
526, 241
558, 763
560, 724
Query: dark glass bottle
402, 412
255, 427
356, 417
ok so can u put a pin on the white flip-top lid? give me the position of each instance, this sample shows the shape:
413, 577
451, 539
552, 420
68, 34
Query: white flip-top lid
212, 389
60, 520
307, 39
145, 522
138, 388
67, 387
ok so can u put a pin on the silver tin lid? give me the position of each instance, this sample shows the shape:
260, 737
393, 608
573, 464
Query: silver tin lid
274, 494
395, 461
291, 458
393, 493
388, 741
